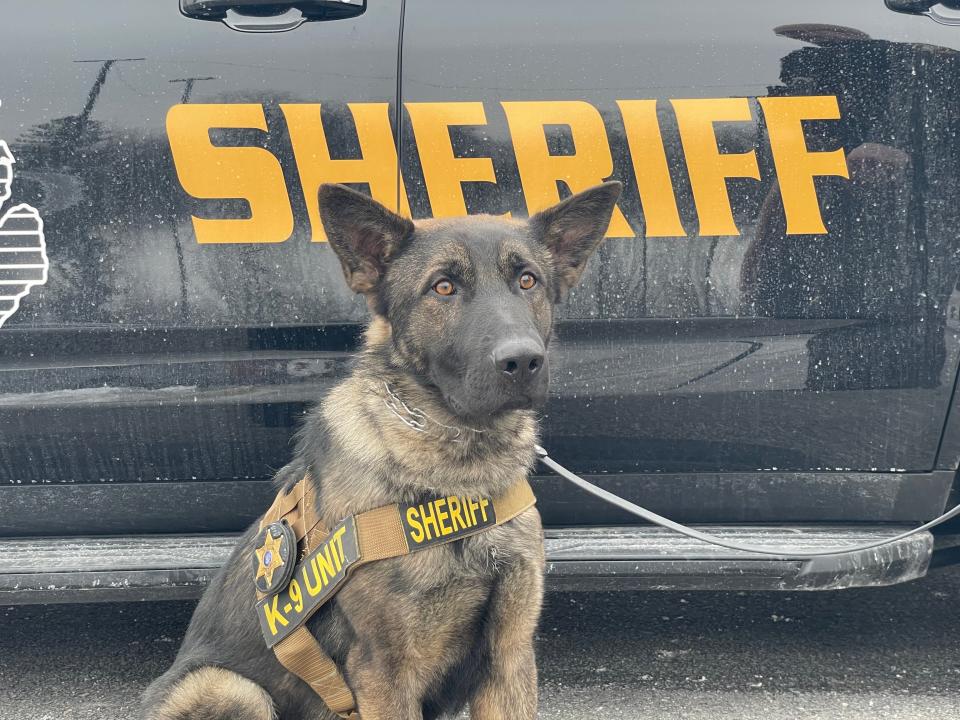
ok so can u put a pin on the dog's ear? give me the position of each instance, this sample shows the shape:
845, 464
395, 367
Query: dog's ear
363, 233
574, 228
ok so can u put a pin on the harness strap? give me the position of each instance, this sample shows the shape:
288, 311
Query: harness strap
297, 507
380, 534
300, 653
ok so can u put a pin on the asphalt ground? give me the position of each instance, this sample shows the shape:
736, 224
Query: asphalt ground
870, 653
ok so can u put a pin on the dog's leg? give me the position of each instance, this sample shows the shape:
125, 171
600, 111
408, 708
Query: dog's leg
508, 689
211, 693
382, 694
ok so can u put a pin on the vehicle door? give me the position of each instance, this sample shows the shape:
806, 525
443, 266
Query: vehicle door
183, 306
765, 334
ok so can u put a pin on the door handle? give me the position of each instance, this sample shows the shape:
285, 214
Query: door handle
928, 8
263, 16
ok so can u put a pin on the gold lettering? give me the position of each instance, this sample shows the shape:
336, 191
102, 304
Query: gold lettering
442, 516
796, 166
455, 519
443, 172
296, 595
707, 167
416, 534
254, 174
660, 214
325, 563
337, 542
376, 166
273, 616
208, 171
590, 164
473, 506
428, 520
317, 586
483, 507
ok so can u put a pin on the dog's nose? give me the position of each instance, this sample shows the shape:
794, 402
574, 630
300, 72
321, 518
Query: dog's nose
519, 359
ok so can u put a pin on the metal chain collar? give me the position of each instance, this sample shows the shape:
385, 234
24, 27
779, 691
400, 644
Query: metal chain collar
417, 419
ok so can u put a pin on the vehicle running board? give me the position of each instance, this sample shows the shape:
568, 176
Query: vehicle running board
160, 567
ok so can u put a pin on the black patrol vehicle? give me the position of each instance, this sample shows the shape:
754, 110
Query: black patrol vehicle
767, 345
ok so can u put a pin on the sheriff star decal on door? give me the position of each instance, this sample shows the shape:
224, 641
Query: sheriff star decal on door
23, 253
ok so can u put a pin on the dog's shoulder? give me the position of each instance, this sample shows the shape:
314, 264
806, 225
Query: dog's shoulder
517, 542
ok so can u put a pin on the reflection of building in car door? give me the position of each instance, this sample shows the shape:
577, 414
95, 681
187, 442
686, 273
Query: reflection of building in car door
724, 346
889, 262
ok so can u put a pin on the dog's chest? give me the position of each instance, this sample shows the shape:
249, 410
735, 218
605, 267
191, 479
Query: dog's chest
480, 558
427, 606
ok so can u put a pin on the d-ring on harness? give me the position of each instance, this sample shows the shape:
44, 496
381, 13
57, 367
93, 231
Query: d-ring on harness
292, 586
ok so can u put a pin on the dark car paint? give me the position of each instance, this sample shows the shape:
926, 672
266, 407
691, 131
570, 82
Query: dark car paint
153, 383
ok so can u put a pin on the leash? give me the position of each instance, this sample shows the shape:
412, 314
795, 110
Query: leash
782, 553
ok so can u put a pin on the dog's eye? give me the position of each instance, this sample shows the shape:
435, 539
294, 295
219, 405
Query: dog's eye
527, 281
444, 287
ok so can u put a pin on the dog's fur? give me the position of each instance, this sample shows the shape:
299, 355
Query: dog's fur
420, 635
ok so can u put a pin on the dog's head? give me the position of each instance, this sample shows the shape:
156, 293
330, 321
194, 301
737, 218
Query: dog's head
469, 301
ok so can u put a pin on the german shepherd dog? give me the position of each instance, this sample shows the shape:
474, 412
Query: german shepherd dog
461, 321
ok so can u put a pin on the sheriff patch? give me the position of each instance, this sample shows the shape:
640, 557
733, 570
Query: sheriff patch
273, 557
315, 579
445, 519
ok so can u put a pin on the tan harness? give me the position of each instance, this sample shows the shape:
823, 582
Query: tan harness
327, 558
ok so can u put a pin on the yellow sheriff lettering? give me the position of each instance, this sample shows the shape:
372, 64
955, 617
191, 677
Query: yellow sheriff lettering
445, 516
429, 516
413, 520
707, 166
473, 506
796, 166
453, 503
442, 516
376, 166
443, 172
645, 142
540, 171
254, 174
